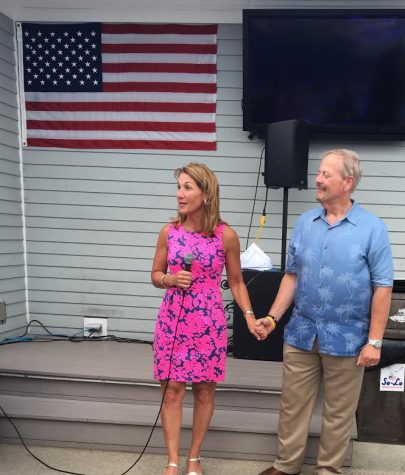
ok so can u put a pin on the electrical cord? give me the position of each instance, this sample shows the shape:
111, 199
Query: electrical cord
31, 453
50, 337
254, 199
23, 338
224, 284
41, 324
154, 424
262, 218
166, 386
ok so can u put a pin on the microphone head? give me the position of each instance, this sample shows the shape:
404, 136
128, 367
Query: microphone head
188, 259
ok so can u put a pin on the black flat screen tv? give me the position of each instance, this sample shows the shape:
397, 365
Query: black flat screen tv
340, 71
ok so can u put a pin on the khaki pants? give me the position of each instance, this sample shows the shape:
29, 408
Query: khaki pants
302, 374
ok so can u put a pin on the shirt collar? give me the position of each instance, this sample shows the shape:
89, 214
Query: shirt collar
352, 215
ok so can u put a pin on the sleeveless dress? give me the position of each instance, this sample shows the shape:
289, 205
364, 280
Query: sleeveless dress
200, 345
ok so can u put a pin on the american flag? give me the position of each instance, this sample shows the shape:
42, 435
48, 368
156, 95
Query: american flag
126, 86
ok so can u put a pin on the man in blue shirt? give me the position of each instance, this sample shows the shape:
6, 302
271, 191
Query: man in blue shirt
339, 275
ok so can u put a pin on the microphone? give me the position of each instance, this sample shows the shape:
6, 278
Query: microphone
188, 260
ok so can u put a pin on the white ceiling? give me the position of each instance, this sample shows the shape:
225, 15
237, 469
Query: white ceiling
195, 11
124, 10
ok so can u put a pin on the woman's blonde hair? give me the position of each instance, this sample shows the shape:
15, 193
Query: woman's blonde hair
207, 182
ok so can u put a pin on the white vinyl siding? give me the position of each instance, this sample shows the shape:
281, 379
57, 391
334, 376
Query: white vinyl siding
12, 277
93, 217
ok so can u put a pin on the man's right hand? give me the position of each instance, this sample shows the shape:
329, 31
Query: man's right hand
265, 327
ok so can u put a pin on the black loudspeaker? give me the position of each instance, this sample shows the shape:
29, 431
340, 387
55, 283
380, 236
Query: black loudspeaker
262, 288
286, 154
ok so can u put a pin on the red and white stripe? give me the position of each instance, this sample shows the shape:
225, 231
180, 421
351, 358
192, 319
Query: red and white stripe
159, 92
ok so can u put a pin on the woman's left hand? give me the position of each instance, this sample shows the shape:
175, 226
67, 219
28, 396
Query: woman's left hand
258, 331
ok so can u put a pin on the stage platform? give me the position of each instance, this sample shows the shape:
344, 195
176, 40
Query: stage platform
101, 395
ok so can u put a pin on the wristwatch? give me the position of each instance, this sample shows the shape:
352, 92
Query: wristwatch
376, 343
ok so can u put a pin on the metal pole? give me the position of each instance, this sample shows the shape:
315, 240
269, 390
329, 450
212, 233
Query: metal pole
284, 229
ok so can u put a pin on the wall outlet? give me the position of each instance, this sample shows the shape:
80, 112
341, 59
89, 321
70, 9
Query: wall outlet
94, 322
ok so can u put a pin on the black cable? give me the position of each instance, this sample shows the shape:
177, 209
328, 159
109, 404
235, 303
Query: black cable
224, 284
265, 202
31, 453
165, 389
254, 199
50, 337
98, 339
36, 321
72, 339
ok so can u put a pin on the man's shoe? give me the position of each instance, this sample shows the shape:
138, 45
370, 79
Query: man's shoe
274, 471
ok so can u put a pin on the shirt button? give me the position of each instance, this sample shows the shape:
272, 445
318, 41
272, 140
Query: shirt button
325, 247
322, 266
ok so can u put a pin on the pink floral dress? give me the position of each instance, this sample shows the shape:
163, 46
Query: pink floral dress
200, 342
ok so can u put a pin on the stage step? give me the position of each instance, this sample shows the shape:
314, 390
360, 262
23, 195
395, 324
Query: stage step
126, 426
56, 400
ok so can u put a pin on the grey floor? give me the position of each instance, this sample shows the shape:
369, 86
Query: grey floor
368, 458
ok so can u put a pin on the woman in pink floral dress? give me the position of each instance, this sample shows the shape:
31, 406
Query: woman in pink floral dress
191, 332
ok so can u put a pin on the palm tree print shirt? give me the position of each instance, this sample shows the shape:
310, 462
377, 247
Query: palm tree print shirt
337, 266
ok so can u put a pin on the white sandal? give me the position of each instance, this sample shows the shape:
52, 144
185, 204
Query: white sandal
194, 459
172, 464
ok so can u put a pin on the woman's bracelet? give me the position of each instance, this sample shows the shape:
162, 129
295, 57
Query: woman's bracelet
162, 281
249, 311
272, 320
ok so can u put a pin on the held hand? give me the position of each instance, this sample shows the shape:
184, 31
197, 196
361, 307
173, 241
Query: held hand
257, 331
262, 330
369, 356
266, 326
183, 279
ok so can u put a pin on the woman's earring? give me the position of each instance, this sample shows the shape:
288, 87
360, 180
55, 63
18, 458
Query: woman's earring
205, 202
